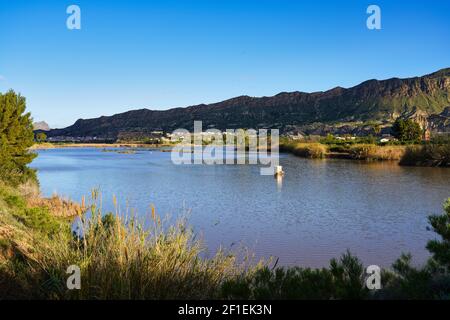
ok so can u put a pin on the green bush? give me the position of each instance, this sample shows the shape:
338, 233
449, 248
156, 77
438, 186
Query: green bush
407, 130
343, 280
37, 218
440, 249
431, 281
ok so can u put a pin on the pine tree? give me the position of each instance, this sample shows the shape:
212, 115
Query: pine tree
440, 250
16, 136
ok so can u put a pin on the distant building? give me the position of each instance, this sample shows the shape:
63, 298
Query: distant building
387, 138
296, 136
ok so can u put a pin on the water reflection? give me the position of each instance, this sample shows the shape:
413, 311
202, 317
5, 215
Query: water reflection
315, 212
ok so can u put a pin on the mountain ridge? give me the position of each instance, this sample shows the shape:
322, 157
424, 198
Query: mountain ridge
371, 100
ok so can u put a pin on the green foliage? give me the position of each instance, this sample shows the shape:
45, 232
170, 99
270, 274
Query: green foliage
432, 281
16, 136
349, 140
348, 275
440, 249
329, 139
122, 259
37, 218
343, 280
406, 282
407, 130
281, 283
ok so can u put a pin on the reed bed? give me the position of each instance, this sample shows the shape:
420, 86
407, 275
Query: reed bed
119, 258
312, 150
374, 152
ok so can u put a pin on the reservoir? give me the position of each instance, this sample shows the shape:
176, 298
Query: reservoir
316, 212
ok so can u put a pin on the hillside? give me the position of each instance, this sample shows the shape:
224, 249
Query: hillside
41, 125
372, 100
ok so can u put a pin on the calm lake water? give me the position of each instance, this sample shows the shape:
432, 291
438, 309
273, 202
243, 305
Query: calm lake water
321, 208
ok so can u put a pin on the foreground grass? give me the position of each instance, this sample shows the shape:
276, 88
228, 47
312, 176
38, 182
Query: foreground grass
120, 259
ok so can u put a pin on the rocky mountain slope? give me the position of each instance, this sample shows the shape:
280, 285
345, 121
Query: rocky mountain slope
41, 125
373, 100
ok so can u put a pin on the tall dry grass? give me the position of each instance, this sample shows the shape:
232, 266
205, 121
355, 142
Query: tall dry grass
313, 150
374, 152
121, 258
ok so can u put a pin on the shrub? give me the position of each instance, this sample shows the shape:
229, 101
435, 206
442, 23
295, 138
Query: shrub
37, 217
343, 280
430, 154
440, 249
407, 130
431, 281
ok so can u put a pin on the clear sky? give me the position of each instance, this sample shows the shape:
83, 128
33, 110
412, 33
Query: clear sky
169, 53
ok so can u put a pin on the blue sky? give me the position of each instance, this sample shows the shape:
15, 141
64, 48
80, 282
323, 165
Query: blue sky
169, 53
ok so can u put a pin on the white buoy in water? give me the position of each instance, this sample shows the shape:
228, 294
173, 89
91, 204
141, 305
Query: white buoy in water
279, 171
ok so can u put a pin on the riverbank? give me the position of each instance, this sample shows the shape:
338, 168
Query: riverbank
120, 259
317, 150
430, 154
425, 155
49, 145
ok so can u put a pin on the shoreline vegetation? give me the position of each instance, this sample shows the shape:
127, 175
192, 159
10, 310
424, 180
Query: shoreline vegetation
317, 150
50, 145
122, 257
434, 153
126, 258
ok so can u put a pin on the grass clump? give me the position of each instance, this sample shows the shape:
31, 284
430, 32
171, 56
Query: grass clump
374, 152
430, 155
119, 258
36, 217
344, 279
124, 258
313, 150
